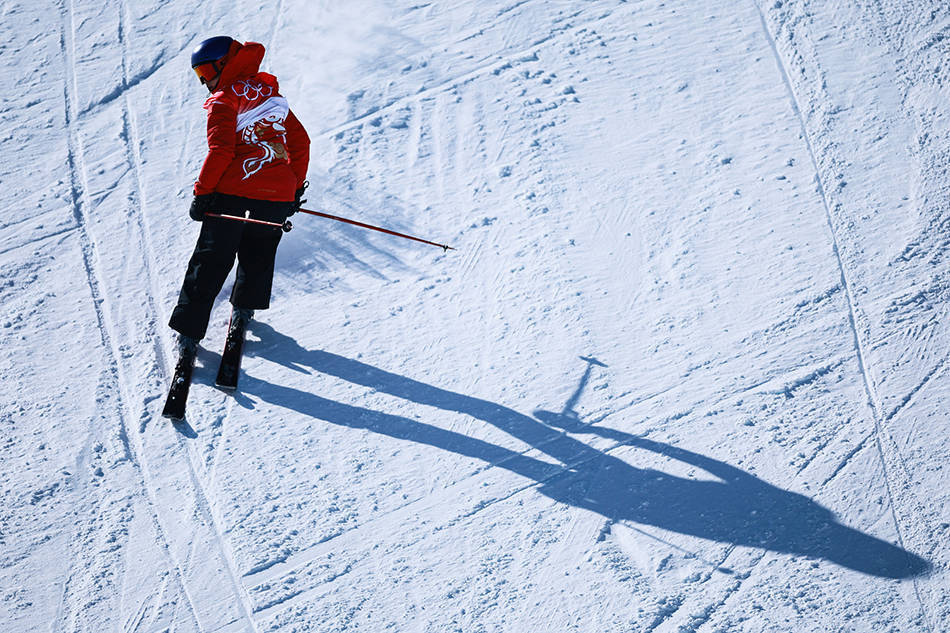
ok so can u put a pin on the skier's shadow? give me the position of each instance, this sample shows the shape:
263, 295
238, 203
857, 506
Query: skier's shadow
736, 508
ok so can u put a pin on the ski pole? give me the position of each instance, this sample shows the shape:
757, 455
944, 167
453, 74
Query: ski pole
285, 227
375, 228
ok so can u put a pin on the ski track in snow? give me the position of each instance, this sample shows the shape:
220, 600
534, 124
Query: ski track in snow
873, 399
906, 502
138, 454
81, 205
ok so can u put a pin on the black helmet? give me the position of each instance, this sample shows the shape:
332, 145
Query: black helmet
211, 50
206, 58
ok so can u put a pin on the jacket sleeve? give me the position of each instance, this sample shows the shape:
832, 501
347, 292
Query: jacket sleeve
298, 148
222, 126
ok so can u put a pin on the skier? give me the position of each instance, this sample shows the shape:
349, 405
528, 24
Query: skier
256, 167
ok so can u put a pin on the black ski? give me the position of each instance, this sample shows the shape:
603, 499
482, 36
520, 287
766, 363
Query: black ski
231, 358
178, 392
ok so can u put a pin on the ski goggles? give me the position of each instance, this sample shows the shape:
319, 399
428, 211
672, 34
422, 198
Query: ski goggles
207, 72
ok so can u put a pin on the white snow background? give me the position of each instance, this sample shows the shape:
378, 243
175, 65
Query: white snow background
687, 370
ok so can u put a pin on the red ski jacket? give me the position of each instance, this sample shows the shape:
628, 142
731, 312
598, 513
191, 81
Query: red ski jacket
256, 146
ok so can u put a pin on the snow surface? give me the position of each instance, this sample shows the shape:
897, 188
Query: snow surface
683, 373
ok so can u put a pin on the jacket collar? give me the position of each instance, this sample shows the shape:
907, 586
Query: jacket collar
245, 62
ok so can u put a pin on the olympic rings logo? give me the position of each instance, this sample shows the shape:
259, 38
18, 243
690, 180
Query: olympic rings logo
252, 91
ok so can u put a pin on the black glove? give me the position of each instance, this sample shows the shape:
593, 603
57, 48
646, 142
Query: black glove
201, 205
298, 201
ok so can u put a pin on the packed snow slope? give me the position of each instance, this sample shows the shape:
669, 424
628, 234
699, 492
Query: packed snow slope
686, 370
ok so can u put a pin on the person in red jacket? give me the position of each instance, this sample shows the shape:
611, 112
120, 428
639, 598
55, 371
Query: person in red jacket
258, 153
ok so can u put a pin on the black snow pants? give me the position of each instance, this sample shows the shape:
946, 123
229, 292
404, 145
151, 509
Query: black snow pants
220, 240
